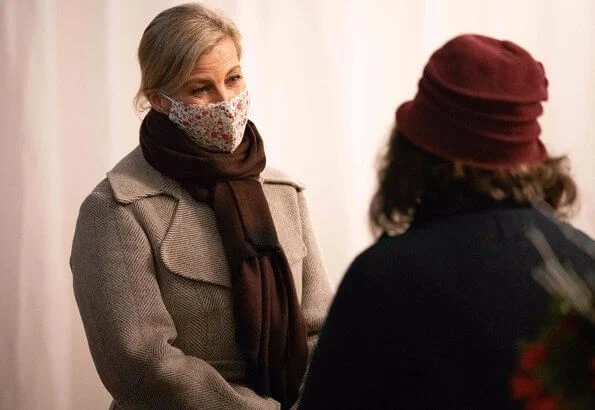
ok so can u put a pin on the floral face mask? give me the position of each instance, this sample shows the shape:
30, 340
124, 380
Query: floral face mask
215, 126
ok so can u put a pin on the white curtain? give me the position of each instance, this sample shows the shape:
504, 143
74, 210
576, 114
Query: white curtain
325, 78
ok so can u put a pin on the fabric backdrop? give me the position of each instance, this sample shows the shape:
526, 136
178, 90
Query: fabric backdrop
325, 78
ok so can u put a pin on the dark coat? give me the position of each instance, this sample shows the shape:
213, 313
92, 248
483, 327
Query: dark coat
431, 319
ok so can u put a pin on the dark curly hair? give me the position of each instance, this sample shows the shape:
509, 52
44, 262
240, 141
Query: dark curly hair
408, 174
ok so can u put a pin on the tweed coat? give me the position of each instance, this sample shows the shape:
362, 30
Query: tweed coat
152, 285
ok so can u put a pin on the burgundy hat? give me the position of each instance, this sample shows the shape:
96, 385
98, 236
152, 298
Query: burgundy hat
478, 102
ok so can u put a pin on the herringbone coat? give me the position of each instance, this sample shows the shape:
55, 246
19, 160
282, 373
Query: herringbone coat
153, 289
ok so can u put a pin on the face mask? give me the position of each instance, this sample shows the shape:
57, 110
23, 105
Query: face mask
216, 126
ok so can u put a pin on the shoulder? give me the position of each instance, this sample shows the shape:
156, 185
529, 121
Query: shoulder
99, 204
133, 178
274, 176
392, 263
130, 179
371, 263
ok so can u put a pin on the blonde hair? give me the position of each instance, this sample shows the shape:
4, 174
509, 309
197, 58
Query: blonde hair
172, 43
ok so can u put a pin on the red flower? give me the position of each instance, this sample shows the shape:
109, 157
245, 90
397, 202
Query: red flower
534, 354
542, 403
524, 387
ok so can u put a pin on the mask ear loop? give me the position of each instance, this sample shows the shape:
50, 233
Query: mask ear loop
163, 95
171, 100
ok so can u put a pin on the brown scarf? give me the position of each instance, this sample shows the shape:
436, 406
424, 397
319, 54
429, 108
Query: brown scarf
271, 329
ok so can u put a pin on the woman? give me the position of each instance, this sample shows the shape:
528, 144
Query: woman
431, 318
196, 271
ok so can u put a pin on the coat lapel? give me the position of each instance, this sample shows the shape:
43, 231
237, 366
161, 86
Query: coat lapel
192, 246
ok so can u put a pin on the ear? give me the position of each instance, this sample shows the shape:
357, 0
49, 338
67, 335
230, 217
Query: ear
158, 102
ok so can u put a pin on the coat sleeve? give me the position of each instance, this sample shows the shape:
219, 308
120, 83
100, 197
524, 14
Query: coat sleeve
316, 290
129, 331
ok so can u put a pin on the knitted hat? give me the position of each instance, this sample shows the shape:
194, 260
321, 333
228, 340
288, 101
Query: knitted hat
478, 102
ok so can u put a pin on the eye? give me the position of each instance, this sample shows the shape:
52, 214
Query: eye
234, 78
200, 90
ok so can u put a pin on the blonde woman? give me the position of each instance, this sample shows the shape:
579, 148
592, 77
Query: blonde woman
196, 271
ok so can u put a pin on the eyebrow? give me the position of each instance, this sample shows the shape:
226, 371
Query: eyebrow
202, 79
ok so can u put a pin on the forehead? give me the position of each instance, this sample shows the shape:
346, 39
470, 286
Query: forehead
219, 58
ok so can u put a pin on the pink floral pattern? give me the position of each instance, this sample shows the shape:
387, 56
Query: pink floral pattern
216, 126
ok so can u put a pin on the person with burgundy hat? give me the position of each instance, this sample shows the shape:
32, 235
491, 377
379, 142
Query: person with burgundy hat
429, 317
195, 268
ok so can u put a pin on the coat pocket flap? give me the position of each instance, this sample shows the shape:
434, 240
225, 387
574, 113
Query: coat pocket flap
192, 247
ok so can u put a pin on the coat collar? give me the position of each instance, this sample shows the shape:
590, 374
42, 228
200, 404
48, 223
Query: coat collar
133, 178
194, 223
457, 201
